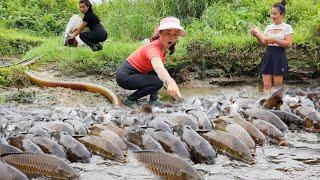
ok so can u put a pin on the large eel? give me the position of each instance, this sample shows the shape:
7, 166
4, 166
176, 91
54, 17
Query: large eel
68, 84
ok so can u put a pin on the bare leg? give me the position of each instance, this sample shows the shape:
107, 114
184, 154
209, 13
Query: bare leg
267, 82
278, 81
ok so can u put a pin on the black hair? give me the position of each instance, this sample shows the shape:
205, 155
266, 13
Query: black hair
87, 3
281, 6
172, 48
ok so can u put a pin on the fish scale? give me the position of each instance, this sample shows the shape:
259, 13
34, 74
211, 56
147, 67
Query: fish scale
103, 147
254, 132
35, 165
201, 150
275, 135
167, 165
171, 144
9, 172
267, 116
230, 144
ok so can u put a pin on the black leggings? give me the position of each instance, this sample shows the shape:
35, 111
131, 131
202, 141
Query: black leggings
146, 84
99, 34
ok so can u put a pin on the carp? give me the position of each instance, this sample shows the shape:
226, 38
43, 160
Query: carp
183, 118
271, 132
108, 135
24, 144
76, 151
267, 116
48, 146
310, 116
9, 172
78, 127
202, 118
168, 166
103, 147
37, 130
236, 130
5, 149
54, 126
201, 150
229, 145
37, 165
170, 143
160, 123
254, 132
274, 101
288, 118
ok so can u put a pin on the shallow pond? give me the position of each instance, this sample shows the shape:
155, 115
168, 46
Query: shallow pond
299, 160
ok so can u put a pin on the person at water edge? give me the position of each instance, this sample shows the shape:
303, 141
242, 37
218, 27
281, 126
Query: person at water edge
97, 33
144, 69
277, 37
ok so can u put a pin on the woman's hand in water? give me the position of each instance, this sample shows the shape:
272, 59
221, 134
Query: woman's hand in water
173, 89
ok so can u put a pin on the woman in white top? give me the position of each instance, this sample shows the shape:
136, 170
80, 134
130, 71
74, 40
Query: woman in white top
277, 36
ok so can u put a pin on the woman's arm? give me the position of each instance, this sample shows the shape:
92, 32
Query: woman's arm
78, 30
286, 43
260, 36
165, 77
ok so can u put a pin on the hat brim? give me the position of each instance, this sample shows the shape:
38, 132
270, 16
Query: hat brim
182, 32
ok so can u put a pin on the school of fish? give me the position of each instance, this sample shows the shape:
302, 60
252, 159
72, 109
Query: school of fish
168, 142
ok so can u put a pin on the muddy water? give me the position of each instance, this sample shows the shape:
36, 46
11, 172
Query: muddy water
300, 160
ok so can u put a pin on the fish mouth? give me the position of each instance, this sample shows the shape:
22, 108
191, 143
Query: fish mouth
170, 43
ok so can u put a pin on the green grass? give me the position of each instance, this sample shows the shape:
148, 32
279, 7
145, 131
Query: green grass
2, 99
16, 42
218, 34
82, 60
12, 76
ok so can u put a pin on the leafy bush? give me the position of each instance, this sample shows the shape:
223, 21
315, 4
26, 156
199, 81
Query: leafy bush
47, 17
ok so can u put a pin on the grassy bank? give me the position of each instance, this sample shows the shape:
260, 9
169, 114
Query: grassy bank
218, 37
16, 42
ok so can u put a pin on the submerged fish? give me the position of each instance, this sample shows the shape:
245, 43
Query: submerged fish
230, 145
168, 166
171, 144
108, 135
201, 150
311, 117
76, 151
183, 118
202, 118
288, 118
78, 127
48, 146
267, 116
149, 143
160, 123
9, 172
270, 131
235, 130
254, 132
24, 144
36, 165
103, 147
54, 126
5, 149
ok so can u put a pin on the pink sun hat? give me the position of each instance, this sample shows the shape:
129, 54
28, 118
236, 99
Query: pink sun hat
171, 23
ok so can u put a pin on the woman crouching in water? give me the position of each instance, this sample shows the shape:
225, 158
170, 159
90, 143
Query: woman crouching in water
144, 69
277, 36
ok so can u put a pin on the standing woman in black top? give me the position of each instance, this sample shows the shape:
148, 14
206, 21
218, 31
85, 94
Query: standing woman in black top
97, 32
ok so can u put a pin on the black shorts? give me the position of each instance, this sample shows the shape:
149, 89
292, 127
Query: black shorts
274, 62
